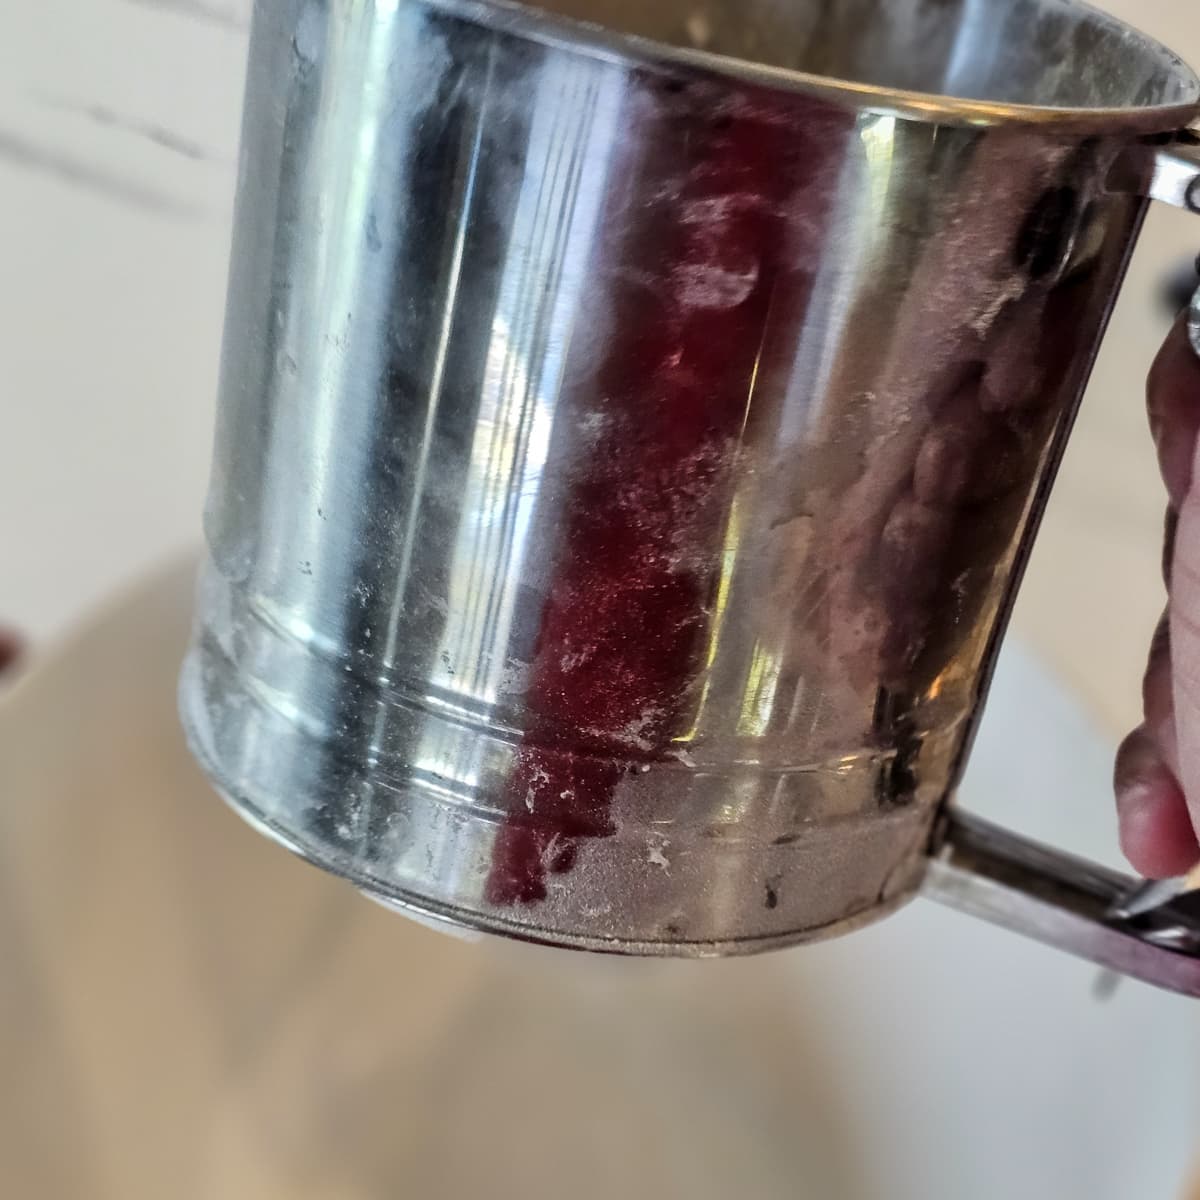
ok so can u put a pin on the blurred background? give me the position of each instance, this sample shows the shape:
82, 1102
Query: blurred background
186, 1012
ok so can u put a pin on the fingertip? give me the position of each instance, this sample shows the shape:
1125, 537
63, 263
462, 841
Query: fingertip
1157, 836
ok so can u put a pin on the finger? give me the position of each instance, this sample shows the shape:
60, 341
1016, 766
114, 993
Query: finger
1185, 646
1173, 400
1174, 393
1158, 698
1156, 828
1170, 534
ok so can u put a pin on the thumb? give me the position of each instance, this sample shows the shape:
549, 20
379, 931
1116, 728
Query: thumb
1177, 381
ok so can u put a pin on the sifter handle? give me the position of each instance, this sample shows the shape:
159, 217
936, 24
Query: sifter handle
1148, 931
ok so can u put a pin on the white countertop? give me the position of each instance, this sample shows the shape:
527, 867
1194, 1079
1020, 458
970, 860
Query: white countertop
189, 1013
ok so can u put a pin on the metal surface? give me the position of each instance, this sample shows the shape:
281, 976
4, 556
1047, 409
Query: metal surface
1068, 903
1175, 180
199, 1016
1167, 911
1194, 322
627, 457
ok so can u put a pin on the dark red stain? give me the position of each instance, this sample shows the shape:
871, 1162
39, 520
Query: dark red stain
617, 661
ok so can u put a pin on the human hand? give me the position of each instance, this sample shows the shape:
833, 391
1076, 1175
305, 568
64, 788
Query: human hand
1158, 767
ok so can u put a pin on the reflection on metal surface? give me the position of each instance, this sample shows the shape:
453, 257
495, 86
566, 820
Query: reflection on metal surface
759, 697
542, 285
622, 459
1194, 322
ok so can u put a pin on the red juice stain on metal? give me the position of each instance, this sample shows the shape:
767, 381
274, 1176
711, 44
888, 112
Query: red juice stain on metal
623, 633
